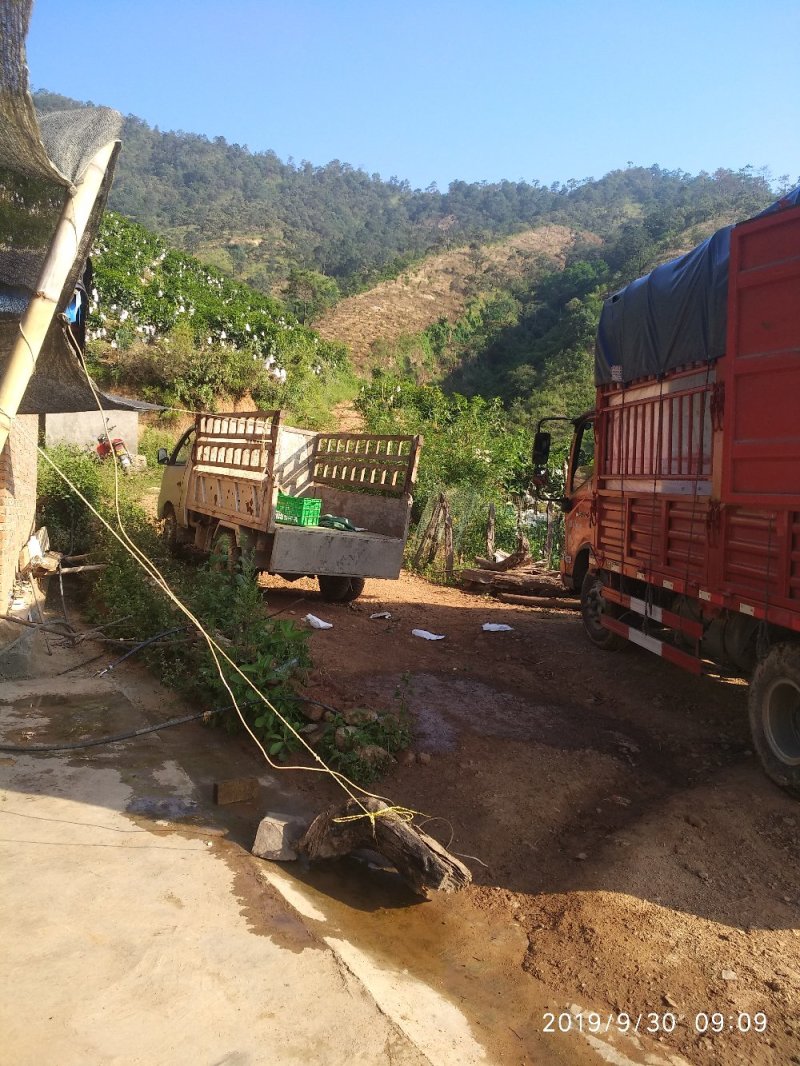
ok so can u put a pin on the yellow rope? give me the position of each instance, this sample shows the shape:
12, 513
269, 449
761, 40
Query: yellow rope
405, 814
217, 652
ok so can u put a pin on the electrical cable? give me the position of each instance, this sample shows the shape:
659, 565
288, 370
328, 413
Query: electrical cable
218, 653
26, 749
142, 644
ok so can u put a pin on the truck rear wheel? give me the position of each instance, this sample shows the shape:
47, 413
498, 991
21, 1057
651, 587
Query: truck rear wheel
774, 705
340, 589
593, 607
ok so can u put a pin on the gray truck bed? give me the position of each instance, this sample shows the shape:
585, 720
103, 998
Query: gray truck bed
318, 550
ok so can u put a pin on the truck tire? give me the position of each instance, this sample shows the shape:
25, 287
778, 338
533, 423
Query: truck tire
340, 589
169, 529
774, 706
226, 556
593, 607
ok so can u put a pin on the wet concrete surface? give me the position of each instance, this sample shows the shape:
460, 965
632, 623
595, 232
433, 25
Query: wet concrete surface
449, 973
448, 976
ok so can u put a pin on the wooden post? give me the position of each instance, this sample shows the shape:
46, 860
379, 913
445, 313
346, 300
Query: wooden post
490, 531
437, 529
448, 540
548, 540
427, 533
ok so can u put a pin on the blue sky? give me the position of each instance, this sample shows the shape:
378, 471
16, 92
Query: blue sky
428, 90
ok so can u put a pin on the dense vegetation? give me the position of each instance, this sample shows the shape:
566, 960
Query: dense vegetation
272, 651
531, 342
179, 330
179, 333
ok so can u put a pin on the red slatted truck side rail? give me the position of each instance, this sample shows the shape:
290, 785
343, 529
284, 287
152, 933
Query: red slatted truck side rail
685, 539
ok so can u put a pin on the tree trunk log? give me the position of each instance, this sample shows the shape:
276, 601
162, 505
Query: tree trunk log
559, 603
420, 860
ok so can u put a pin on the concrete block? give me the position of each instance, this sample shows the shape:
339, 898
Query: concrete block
277, 835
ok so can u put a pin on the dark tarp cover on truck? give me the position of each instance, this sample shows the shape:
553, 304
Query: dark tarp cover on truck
674, 316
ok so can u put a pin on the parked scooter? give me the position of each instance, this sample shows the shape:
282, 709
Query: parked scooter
120, 448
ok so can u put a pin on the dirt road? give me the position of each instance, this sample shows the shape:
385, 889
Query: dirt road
630, 857
635, 874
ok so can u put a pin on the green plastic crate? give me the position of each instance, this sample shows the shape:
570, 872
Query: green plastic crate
297, 510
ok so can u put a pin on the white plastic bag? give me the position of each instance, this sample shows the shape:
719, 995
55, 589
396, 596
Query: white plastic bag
317, 623
380, 614
496, 627
426, 635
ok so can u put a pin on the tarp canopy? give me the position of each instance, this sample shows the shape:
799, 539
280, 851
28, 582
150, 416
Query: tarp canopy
674, 316
41, 161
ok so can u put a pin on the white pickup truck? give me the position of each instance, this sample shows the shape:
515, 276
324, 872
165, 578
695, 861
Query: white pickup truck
221, 485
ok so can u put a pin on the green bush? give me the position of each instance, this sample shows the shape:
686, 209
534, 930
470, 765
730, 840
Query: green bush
154, 438
70, 525
470, 453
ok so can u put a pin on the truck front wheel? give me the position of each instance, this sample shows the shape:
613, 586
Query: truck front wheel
340, 589
169, 529
593, 607
774, 705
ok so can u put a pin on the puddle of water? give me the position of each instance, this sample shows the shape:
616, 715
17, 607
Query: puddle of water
53, 718
170, 808
443, 963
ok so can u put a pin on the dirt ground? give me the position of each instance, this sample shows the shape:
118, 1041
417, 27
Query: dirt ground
629, 857
618, 818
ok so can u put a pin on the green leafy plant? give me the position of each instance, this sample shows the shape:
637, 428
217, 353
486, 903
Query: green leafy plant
70, 525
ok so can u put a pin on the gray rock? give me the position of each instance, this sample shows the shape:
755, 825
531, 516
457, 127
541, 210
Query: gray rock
360, 715
343, 737
374, 754
277, 835
312, 711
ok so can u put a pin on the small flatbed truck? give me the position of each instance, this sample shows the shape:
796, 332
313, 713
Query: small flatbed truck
224, 486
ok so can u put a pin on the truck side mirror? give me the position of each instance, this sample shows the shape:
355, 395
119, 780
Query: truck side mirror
541, 449
162, 456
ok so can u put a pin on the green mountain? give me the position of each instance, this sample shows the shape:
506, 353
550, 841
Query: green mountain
526, 269
257, 217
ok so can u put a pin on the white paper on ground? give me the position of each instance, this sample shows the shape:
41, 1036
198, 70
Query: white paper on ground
380, 614
426, 635
317, 623
496, 627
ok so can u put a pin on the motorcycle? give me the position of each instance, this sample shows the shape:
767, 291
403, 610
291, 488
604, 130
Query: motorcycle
104, 448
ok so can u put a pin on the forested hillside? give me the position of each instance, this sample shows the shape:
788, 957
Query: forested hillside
258, 218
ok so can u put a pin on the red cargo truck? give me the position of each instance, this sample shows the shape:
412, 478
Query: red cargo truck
683, 486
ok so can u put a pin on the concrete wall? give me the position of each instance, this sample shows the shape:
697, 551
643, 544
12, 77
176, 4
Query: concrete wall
17, 498
84, 427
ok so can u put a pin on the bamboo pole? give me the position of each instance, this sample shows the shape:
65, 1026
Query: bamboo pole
40, 311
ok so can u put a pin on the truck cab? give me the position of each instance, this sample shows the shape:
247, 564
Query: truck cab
577, 504
577, 499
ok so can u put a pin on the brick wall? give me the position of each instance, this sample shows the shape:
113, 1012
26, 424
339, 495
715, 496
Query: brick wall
17, 498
